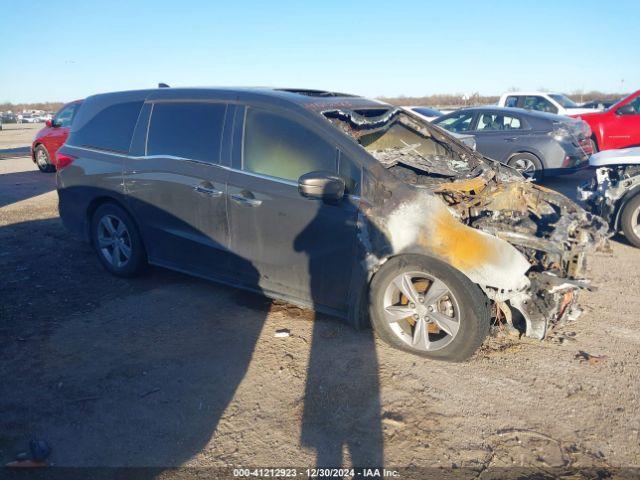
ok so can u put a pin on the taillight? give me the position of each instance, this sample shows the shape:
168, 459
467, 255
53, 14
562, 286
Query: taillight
63, 160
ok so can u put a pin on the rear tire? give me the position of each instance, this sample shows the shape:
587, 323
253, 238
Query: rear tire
630, 221
43, 161
117, 242
462, 310
527, 164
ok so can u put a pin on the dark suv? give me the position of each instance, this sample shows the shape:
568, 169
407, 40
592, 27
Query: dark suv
352, 207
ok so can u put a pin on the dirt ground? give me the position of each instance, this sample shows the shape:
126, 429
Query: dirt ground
167, 370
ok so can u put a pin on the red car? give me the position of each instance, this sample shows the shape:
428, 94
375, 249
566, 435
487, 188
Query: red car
52, 136
618, 126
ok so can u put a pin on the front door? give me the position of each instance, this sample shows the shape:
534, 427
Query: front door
177, 189
624, 130
302, 248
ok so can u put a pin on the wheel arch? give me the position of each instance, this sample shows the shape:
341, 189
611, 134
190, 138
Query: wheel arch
97, 202
627, 197
530, 151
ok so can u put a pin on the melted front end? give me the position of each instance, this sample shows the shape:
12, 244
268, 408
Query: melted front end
523, 244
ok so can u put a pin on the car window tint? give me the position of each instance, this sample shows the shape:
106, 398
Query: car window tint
64, 117
512, 101
280, 147
428, 112
186, 130
111, 128
457, 123
497, 122
534, 102
351, 173
635, 104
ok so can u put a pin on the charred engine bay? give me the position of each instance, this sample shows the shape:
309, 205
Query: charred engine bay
550, 231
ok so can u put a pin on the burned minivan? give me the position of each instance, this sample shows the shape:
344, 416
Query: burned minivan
331, 201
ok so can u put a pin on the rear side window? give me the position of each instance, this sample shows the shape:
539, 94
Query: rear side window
111, 128
280, 147
511, 101
186, 130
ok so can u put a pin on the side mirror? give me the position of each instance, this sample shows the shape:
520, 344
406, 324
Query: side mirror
322, 185
48, 123
626, 110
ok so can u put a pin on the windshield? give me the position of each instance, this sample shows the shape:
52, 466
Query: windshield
563, 100
394, 138
428, 112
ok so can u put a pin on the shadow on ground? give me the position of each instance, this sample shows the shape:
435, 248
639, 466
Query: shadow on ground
19, 186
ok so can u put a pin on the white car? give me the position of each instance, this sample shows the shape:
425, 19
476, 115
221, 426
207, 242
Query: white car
550, 102
614, 191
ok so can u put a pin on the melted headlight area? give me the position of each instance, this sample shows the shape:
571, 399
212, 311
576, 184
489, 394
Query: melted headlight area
550, 231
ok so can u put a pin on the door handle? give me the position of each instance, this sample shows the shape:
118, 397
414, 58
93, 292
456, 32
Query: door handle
211, 192
511, 139
242, 200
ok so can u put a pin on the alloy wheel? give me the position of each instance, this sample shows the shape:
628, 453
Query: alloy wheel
524, 166
41, 158
114, 241
421, 310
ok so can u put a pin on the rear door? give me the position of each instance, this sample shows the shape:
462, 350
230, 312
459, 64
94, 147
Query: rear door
176, 186
498, 134
302, 248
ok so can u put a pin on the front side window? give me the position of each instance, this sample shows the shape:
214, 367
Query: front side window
186, 130
65, 116
512, 101
635, 104
457, 123
280, 147
497, 122
541, 104
110, 129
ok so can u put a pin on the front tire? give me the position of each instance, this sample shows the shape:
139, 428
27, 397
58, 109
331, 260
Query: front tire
630, 221
117, 242
425, 307
43, 161
526, 163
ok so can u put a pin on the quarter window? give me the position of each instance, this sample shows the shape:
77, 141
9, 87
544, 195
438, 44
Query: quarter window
282, 148
110, 129
186, 130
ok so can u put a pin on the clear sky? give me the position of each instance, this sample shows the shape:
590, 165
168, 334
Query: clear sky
59, 50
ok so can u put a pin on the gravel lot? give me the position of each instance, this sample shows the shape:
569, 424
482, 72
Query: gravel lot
167, 370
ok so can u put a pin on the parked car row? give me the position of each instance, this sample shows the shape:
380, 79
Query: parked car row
343, 204
532, 142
